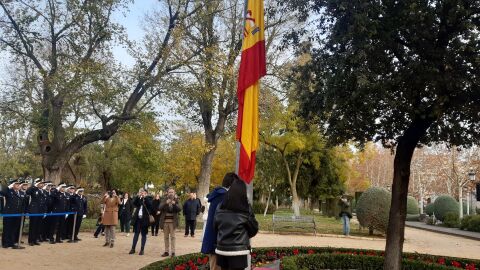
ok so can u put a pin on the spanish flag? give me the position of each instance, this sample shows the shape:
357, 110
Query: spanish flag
252, 68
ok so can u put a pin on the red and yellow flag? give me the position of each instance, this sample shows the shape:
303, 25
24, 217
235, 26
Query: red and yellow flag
252, 68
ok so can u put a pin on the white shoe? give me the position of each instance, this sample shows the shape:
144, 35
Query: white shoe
128, 234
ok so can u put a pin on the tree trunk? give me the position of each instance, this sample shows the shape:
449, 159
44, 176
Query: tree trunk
295, 201
205, 173
401, 176
268, 203
53, 174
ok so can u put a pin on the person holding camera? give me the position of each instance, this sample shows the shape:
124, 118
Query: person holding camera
141, 219
169, 209
110, 216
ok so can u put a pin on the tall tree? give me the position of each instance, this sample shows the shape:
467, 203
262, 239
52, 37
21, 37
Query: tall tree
401, 72
66, 77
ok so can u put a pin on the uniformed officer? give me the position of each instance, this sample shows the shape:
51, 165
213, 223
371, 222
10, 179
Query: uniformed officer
73, 206
48, 221
82, 211
25, 201
60, 205
38, 205
13, 205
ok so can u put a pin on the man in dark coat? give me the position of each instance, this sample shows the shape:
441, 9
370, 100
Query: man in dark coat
191, 209
47, 221
38, 205
81, 201
13, 205
74, 205
210, 235
60, 205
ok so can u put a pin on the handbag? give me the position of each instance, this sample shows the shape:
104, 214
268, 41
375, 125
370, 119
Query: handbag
151, 219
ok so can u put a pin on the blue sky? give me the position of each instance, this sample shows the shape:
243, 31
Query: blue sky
132, 20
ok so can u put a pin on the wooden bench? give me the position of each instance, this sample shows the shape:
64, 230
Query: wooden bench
293, 221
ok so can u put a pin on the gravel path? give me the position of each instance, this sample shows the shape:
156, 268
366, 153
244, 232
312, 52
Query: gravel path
89, 253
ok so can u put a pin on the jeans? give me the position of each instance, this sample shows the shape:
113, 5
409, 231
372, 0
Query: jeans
346, 224
137, 229
100, 228
155, 226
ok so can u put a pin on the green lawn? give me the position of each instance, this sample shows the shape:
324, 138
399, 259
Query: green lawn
324, 225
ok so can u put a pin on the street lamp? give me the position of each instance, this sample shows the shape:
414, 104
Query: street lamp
471, 177
148, 185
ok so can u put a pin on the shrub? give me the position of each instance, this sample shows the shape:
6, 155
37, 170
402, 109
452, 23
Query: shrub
452, 220
412, 206
443, 205
471, 223
335, 255
94, 206
413, 217
373, 208
430, 209
346, 261
259, 208
465, 222
430, 220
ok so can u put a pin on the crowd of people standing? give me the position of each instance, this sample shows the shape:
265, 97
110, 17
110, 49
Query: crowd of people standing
229, 222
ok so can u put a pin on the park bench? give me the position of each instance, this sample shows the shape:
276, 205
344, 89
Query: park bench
293, 221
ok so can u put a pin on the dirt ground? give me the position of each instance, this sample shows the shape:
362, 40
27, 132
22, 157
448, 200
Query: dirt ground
89, 253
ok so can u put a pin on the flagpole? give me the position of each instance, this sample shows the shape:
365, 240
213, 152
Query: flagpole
238, 144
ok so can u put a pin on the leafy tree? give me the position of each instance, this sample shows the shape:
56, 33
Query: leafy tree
401, 72
65, 84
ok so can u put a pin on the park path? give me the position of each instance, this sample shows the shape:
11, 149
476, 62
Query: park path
89, 253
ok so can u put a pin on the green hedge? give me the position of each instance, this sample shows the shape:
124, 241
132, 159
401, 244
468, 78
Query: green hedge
471, 223
412, 206
429, 209
444, 204
452, 220
373, 208
261, 256
345, 261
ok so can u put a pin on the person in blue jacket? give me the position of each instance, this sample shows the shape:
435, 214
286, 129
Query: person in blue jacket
210, 235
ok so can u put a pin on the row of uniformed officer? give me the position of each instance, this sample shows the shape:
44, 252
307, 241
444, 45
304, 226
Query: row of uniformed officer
40, 198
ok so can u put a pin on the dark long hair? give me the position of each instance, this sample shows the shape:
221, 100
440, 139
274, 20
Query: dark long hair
236, 197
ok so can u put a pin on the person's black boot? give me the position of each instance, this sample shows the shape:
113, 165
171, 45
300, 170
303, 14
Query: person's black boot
141, 252
132, 251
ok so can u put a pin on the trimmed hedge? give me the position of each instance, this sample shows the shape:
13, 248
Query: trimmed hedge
261, 256
430, 209
471, 223
412, 206
452, 220
373, 208
443, 205
345, 261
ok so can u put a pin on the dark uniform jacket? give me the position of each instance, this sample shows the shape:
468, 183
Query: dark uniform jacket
14, 202
78, 204
60, 202
234, 230
38, 201
25, 201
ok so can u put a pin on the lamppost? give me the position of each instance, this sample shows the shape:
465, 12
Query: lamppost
148, 185
471, 179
